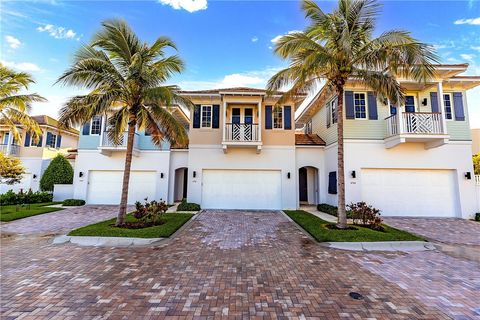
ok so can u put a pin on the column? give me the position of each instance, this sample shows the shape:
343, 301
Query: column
9, 142
260, 120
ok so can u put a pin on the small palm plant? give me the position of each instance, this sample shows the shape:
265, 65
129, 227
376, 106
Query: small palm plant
339, 46
14, 106
125, 78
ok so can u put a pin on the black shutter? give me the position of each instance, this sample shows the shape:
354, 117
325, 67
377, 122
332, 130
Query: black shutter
196, 116
216, 116
268, 117
332, 182
372, 106
458, 106
40, 141
349, 109
434, 101
27, 139
59, 141
287, 119
86, 129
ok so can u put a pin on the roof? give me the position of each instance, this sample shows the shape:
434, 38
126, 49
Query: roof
304, 139
44, 120
230, 90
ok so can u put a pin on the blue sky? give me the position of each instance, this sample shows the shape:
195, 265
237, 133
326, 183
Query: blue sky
224, 43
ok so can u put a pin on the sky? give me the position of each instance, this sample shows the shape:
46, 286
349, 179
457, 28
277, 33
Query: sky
224, 43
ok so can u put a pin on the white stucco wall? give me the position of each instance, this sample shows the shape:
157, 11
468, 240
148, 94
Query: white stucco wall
312, 158
178, 159
33, 166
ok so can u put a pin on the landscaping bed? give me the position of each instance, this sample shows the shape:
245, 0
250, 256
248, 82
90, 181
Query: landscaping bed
323, 231
15, 212
168, 224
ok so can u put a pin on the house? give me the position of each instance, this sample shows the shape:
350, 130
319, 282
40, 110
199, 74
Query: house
245, 153
36, 155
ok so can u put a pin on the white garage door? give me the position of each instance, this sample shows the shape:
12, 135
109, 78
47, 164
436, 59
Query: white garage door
241, 189
105, 187
423, 193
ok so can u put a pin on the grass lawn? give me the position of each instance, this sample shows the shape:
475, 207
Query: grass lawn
317, 228
10, 213
173, 221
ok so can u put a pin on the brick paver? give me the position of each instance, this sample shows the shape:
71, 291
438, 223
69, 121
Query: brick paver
448, 230
230, 264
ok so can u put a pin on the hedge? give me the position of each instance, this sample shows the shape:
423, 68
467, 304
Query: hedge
59, 171
11, 198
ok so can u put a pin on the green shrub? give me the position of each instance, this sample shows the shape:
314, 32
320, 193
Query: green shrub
477, 216
73, 202
59, 171
10, 197
331, 210
187, 206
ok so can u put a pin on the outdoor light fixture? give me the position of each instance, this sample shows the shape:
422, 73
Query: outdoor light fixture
424, 102
161, 175
288, 175
194, 174
353, 174
468, 176
34, 176
80, 174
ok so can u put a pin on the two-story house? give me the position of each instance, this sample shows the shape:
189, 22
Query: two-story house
36, 155
408, 160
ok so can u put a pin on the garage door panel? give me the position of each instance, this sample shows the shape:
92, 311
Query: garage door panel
406, 192
241, 189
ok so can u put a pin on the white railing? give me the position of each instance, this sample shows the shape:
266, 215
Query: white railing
13, 150
121, 144
415, 123
477, 179
241, 132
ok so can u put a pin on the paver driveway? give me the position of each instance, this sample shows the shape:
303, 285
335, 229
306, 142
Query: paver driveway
230, 264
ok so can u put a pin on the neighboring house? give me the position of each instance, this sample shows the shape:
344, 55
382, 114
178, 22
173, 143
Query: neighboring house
408, 160
36, 155
475, 141
244, 153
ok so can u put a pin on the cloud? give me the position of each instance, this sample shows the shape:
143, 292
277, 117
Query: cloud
472, 21
21, 66
477, 48
255, 39
275, 40
468, 57
189, 5
58, 32
13, 42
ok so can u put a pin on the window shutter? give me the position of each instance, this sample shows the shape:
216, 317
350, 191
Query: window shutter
40, 141
329, 114
196, 116
332, 182
335, 113
458, 105
49, 139
27, 139
349, 109
86, 129
216, 116
59, 141
287, 117
372, 106
434, 101
268, 117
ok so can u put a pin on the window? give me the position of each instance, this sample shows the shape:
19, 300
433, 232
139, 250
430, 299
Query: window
308, 127
334, 110
96, 125
236, 115
409, 104
393, 109
51, 140
206, 117
360, 106
278, 118
447, 100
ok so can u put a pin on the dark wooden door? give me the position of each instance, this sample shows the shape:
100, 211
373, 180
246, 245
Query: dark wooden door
302, 184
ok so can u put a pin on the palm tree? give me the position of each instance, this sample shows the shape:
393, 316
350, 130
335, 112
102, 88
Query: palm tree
339, 46
124, 77
14, 106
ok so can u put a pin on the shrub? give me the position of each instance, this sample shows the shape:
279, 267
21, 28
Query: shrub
150, 212
73, 202
188, 206
477, 216
365, 215
59, 171
331, 210
10, 197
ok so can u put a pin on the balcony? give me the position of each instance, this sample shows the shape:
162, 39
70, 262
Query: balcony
10, 150
107, 145
421, 127
242, 135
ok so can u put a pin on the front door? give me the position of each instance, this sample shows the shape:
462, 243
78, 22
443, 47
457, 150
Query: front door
302, 184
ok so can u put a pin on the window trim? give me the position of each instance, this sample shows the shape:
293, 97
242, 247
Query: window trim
333, 118
201, 116
366, 105
54, 141
414, 103
308, 127
91, 126
273, 118
452, 111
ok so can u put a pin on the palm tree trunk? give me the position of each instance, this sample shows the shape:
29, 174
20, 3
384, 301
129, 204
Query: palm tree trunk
342, 215
122, 212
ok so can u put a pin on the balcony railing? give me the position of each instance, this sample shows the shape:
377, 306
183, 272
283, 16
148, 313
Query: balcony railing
121, 144
415, 123
477, 179
241, 132
13, 150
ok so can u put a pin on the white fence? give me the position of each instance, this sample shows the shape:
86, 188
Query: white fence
62, 192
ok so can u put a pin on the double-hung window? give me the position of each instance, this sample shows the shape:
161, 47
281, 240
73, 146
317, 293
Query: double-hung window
278, 118
96, 125
51, 140
334, 110
206, 117
359, 102
409, 104
308, 127
447, 100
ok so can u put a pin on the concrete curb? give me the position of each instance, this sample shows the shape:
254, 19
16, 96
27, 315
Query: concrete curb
393, 246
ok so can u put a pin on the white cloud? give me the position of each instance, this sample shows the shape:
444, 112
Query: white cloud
472, 21
255, 39
475, 48
275, 40
13, 42
21, 66
189, 5
468, 57
57, 32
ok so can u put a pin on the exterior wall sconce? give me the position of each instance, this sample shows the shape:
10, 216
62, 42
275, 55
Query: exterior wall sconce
34, 176
161, 175
288, 175
194, 174
424, 102
80, 174
353, 174
468, 175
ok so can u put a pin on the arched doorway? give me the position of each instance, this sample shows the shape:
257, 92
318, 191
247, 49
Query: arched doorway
308, 191
181, 184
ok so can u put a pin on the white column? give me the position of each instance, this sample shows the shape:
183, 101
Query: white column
260, 120
224, 120
103, 129
400, 119
441, 106
9, 142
